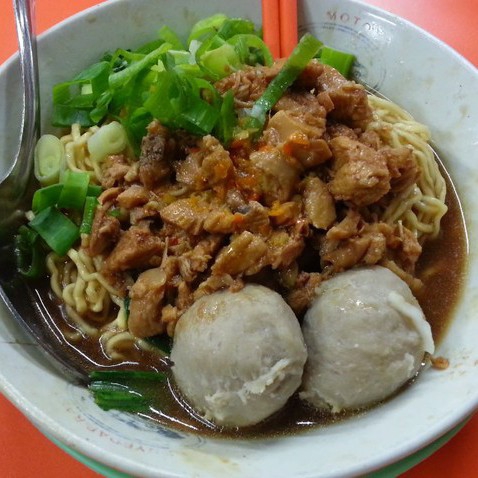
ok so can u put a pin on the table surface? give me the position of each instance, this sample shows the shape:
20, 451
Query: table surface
25, 452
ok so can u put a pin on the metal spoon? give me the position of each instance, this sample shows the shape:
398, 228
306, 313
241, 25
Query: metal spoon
14, 186
15, 198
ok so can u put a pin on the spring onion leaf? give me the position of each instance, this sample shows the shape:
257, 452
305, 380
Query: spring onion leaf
88, 214
170, 36
224, 129
45, 197
72, 100
49, 195
100, 110
127, 85
337, 59
49, 159
75, 188
57, 230
219, 62
251, 49
94, 190
114, 212
199, 117
177, 58
235, 26
109, 397
161, 80
123, 390
206, 27
120, 78
305, 50
177, 104
29, 256
135, 124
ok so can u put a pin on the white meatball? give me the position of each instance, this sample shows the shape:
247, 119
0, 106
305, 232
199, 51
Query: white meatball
366, 336
238, 356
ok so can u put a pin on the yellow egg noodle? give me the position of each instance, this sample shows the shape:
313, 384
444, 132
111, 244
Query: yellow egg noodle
76, 151
422, 205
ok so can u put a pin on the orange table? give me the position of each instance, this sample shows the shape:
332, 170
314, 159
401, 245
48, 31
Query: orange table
25, 452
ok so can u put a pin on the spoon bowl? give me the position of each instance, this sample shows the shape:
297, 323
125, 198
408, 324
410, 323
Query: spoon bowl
15, 198
15, 183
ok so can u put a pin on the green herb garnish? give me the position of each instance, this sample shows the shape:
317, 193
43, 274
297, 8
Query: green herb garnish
125, 390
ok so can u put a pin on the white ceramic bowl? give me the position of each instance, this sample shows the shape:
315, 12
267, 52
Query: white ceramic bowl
406, 64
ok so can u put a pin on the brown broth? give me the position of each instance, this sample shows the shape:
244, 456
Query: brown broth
441, 268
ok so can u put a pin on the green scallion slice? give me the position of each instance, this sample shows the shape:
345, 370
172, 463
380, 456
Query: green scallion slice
58, 231
124, 390
29, 257
305, 50
75, 188
45, 197
88, 214
337, 59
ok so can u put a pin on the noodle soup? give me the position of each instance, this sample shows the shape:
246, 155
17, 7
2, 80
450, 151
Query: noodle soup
173, 213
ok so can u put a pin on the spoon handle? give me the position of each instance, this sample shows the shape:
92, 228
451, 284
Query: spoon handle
15, 184
24, 19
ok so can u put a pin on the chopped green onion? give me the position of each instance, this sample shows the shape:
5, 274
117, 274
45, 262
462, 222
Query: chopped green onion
224, 129
337, 59
219, 62
106, 386
161, 80
49, 159
123, 390
135, 125
49, 195
144, 49
219, 57
236, 26
66, 115
108, 139
305, 50
252, 49
199, 116
176, 102
206, 26
118, 79
110, 398
176, 58
170, 36
101, 106
75, 188
29, 256
45, 197
72, 100
114, 212
94, 190
128, 56
59, 232
88, 214
128, 85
